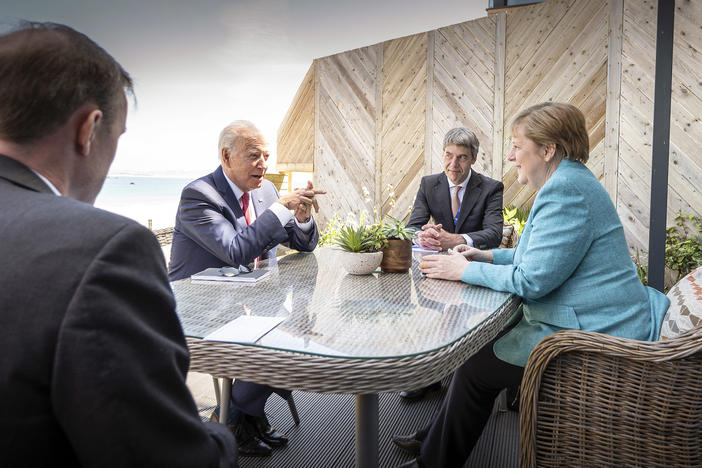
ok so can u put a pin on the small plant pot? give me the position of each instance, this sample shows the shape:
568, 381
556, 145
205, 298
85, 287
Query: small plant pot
360, 263
397, 256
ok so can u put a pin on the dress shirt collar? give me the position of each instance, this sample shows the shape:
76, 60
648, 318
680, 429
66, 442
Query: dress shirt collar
463, 184
235, 188
46, 181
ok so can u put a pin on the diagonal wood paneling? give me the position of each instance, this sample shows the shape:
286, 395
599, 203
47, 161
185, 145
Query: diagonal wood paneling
557, 52
402, 121
370, 105
685, 174
463, 87
344, 160
296, 132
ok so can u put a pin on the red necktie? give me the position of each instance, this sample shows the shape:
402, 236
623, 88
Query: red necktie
245, 207
247, 214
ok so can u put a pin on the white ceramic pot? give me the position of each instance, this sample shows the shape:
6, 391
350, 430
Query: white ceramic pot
360, 263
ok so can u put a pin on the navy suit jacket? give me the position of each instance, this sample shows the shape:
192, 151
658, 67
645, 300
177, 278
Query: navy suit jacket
481, 209
93, 358
210, 228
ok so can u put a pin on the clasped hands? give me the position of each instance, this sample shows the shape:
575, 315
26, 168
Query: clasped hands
434, 237
301, 201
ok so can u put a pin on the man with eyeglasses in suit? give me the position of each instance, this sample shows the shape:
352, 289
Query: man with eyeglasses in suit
466, 208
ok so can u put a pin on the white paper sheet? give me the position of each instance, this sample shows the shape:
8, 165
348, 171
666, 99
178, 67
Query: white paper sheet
245, 329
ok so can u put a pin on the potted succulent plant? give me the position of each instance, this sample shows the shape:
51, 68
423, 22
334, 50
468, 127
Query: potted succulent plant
361, 248
397, 254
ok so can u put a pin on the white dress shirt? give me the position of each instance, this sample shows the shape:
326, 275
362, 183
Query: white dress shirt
283, 214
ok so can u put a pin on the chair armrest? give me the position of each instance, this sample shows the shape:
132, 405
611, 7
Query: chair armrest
602, 362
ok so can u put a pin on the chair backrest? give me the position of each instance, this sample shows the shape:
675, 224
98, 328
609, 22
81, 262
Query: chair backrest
589, 399
685, 311
277, 179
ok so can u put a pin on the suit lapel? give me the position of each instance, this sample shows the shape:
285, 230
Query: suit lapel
257, 201
226, 191
470, 197
440, 193
19, 174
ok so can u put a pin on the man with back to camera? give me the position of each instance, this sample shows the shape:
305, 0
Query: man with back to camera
466, 207
93, 359
232, 217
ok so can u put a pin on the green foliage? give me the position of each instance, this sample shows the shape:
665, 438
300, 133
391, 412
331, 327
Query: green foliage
397, 229
327, 236
362, 238
683, 244
641, 268
515, 216
683, 247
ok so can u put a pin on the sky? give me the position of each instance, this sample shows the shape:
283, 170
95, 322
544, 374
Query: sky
198, 65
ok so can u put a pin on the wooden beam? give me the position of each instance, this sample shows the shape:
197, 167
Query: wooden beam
429, 113
378, 125
499, 98
316, 154
295, 167
612, 113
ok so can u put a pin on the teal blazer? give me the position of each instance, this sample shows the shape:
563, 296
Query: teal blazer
572, 269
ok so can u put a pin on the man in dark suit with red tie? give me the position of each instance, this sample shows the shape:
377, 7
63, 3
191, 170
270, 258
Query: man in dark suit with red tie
234, 216
466, 208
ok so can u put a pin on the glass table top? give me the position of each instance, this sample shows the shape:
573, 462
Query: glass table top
331, 313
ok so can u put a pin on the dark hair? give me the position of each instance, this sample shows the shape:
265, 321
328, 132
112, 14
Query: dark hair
558, 123
47, 72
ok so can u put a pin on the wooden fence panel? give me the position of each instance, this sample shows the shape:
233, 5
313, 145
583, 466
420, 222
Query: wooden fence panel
344, 160
558, 52
368, 115
464, 87
685, 178
402, 122
296, 133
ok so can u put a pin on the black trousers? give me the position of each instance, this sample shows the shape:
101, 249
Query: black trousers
250, 398
457, 426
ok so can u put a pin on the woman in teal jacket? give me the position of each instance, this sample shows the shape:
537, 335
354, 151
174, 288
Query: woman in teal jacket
571, 267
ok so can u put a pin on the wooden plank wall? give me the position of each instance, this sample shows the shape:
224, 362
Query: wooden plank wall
402, 123
371, 104
636, 118
464, 88
296, 135
556, 51
345, 130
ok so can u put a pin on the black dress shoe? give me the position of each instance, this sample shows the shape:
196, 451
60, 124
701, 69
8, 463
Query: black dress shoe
247, 441
419, 393
409, 443
416, 463
269, 434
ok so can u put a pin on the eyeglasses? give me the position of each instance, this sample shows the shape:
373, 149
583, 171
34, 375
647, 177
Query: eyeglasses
459, 157
234, 271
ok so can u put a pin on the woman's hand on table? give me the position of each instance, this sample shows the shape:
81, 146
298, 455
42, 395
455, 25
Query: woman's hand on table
448, 267
471, 253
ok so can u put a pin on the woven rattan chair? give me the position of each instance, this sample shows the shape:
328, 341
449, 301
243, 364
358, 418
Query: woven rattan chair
589, 399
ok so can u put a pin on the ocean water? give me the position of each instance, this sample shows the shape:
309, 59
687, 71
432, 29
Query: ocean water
153, 198
143, 198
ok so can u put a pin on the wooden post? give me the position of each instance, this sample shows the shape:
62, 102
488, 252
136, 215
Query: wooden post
614, 83
499, 99
378, 195
429, 113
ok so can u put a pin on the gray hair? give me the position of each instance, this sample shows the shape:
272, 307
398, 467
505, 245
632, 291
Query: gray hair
232, 136
461, 136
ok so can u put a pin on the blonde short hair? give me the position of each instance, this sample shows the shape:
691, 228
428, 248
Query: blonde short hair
556, 123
